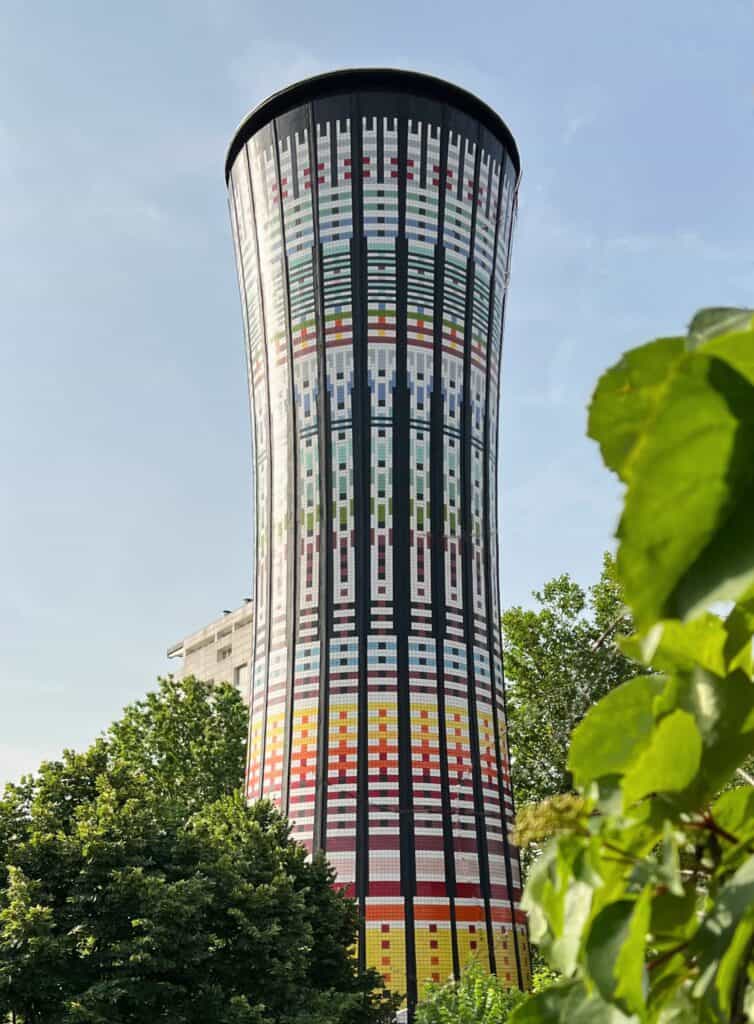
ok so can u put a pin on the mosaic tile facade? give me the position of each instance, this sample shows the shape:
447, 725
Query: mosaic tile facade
372, 234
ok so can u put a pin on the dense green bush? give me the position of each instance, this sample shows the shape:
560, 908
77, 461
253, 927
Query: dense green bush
478, 998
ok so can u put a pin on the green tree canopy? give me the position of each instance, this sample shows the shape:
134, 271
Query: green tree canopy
137, 885
560, 659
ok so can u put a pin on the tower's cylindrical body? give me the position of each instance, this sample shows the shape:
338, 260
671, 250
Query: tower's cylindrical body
372, 214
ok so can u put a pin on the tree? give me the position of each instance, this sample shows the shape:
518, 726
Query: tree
139, 886
559, 661
644, 900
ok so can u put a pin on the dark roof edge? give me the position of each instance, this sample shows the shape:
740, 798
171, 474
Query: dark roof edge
360, 79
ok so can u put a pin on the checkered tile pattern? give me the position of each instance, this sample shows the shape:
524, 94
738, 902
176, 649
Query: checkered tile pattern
372, 249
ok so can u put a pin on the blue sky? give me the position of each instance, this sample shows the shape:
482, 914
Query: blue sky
125, 492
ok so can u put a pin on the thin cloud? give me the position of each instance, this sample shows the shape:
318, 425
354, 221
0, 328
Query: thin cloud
576, 124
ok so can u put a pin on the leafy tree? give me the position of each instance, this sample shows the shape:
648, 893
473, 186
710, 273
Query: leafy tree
138, 885
478, 998
644, 901
560, 660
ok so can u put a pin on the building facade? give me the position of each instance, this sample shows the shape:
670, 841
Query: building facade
220, 652
372, 214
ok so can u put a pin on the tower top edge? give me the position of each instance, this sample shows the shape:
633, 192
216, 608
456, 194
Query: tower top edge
354, 80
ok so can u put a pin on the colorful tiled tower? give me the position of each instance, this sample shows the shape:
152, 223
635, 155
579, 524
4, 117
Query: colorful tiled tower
372, 214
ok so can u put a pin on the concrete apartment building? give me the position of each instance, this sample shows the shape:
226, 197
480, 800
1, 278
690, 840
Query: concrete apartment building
220, 652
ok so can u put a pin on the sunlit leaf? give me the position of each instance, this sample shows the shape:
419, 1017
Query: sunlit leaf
723, 710
672, 646
691, 478
558, 899
615, 731
670, 761
627, 397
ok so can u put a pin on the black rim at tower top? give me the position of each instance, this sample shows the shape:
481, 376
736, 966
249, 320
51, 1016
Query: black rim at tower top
352, 80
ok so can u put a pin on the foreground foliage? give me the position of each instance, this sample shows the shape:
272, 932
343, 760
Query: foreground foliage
137, 886
645, 900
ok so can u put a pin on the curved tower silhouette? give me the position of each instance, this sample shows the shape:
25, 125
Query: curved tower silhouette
372, 213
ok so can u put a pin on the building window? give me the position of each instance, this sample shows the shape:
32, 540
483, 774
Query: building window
241, 680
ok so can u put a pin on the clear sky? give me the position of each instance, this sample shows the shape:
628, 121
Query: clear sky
125, 492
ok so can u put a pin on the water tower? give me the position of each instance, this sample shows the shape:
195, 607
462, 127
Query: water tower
372, 213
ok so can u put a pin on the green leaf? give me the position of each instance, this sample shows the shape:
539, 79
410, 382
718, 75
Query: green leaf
679, 1009
736, 350
672, 646
739, 628
718, 645
749, 1002
693, 475
733, 814
674, 916
669, 763
615, 731
710, 323
664, 869
545, 1007
568, 1003
734, 811
614, 951
723, 938
724, 713
558, 899
626, 399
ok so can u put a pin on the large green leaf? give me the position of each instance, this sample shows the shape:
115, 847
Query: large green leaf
724, 713
615, 732
737, 350
627, 397
673, 918
692, 476
545, 1007
614, 951
672, 646
558, 898
725, 569
568, 1003
669, 763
